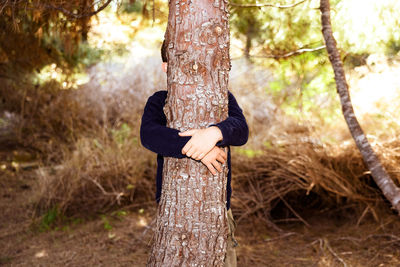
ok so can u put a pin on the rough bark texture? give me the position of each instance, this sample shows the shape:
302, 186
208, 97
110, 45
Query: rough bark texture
191, 228
381, 177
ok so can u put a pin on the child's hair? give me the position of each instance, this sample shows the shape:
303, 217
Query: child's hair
164, 51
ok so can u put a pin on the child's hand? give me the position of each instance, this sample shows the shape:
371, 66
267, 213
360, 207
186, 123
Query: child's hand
202, 141
214, 159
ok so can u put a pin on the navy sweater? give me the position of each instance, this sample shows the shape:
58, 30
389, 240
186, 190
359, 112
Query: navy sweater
165, 141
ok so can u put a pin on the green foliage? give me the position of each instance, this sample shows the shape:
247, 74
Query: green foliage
5, 260
49, 219
122, 134
249, 152
55, 220
275, 31
37, 33
87, 55
280, 30
106, 223
304, 84
119, 213
151, 13
393, 45
135, 7
76, 221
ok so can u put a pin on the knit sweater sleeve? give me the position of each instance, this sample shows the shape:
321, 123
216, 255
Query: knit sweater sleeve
154, 134
234, 129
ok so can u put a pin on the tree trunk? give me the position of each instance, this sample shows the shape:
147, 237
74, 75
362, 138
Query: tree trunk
191, 228
86, 7
249, 38
381, 177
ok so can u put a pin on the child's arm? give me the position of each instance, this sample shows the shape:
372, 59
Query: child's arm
155, 135
235, 131
232, 131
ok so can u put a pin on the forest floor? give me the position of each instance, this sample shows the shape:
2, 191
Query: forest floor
122, 238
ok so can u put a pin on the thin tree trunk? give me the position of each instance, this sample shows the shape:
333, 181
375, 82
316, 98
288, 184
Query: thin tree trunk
86, 7
381, 177
191, 228
249, 38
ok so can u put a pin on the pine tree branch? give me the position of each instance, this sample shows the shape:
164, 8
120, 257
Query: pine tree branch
266, 5
77, 16
292, 53
68, 13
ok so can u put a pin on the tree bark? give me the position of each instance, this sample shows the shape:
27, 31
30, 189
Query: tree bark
381, 177
191, 227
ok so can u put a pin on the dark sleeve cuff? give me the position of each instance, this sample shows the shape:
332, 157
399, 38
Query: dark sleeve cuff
225, 134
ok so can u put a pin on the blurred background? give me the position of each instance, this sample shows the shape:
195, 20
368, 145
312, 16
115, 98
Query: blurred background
77, 188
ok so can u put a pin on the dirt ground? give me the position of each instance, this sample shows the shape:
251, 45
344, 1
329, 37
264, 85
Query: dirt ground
121, 238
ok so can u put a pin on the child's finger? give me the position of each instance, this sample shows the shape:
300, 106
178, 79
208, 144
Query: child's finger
217, 165
223, 154
191, 151
211, 168
188, 132
220, 159
196, 155
200, 156
186, 148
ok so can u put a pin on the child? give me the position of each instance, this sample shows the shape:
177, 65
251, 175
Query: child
199, 144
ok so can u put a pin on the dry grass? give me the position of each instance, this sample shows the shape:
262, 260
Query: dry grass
91, 159
105, 166
302, 179
297, 202
86, 140
98, 176
87, 146
329, 242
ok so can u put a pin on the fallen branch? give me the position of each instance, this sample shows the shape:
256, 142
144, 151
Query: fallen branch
326, 242
292, 210
280, 237
117, 195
